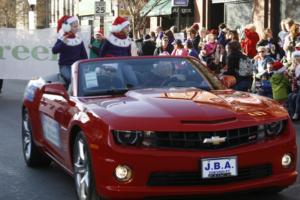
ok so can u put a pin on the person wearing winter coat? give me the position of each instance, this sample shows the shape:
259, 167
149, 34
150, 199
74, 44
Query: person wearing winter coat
280, 83
250, 41
117, 43
290, 41
222, 35
179, 49
69, 45
194, 36
188, 45
148, 46
268, 42
294, 96
260, 61
96, 44
165, 48
234, 56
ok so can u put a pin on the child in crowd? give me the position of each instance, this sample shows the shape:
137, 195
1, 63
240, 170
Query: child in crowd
265, 84
280, 83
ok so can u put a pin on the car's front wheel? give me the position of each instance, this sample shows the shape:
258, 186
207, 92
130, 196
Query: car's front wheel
83, 175
32, 155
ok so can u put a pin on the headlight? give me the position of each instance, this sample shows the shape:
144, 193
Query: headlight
274, 128
128, 137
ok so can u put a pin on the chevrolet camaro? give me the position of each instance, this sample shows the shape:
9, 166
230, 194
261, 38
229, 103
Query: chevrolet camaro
147, 127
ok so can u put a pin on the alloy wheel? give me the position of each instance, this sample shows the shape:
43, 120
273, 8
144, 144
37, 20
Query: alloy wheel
26, 136
82, 170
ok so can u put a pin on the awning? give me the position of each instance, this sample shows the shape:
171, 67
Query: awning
164, 7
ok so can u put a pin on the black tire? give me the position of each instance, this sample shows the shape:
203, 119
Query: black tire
32, 155
83, 173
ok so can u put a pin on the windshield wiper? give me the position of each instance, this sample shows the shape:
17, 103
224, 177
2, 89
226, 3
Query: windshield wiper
106, 92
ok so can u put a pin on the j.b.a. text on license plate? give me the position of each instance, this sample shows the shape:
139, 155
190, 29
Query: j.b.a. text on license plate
219, 167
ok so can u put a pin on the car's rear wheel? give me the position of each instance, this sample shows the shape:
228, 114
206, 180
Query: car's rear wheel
83, 175
32, 155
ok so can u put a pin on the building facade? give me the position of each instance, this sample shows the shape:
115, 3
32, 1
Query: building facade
238, 13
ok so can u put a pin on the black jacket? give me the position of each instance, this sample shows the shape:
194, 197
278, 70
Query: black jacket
148, 48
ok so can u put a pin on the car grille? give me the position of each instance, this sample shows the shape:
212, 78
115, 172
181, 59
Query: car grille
194, 178
195, 140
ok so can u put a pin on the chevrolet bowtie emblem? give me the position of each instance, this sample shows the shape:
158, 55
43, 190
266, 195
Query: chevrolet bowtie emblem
215, 140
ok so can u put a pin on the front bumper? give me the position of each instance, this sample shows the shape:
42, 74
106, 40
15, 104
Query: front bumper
143, 162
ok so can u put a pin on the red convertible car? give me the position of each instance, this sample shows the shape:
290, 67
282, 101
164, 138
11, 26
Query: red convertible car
147, 127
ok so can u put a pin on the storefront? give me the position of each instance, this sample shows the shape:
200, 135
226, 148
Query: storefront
238, 13
167, 13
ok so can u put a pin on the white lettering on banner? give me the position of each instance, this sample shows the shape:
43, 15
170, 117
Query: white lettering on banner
28, 54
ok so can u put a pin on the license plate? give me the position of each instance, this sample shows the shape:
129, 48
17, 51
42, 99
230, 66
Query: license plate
219, 167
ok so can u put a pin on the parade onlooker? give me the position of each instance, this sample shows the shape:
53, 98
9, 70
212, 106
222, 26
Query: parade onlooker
179, 49
188, 45
250, 40
69, 45
191, 36
232, 35
265, 88
207, 54
170, 36
153, 36
164, 49
159, 36
234, 60
118, 42
268, 42
196, 39
294, 97
148, 46
222, 34
211, 45
260, 61
281, 37
280, 83
96, 43
288, 23
290, 41
202, 35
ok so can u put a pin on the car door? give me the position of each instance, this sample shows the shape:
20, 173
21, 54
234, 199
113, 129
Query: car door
55, 117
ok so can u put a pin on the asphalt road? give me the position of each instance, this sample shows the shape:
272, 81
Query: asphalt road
18, 182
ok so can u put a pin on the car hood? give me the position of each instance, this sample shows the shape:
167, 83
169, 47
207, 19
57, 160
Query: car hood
185, 104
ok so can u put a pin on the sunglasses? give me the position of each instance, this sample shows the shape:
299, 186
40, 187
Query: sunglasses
261, 52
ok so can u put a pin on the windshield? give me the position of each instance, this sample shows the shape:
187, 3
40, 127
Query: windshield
118, 76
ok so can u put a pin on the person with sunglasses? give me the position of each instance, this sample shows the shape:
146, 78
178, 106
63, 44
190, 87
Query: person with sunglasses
260, 67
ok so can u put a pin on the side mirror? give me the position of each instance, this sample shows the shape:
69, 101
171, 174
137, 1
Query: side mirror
228, 81
57, 89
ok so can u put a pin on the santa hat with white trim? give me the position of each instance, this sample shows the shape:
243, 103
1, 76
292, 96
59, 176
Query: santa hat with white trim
65, 22
119, 24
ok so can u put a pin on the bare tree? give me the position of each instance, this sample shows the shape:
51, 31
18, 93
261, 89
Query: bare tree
138, 19
7, 13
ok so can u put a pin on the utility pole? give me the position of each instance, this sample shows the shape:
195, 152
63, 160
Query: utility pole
32, 14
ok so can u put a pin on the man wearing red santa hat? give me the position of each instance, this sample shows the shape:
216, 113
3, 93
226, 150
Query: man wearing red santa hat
117, 43
69, 45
